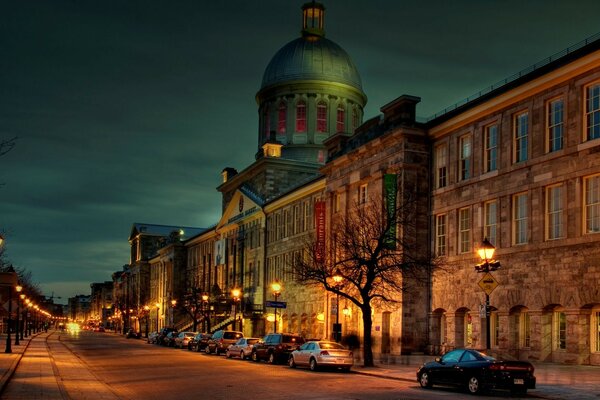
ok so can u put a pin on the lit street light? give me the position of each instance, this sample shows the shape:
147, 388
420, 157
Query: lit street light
18, 288
157, 313
235, 293
337, 328
488, 283
276, 286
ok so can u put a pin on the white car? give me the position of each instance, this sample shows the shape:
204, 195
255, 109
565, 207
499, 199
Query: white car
242, 348
322, 353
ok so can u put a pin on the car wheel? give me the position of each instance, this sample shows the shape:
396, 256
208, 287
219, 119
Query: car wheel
424, 380
272, 359
474, 385
242, 356
312, 364
254, 356
291, 362
207, 350
227, 354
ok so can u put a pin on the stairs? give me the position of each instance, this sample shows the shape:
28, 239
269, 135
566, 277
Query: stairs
221, 324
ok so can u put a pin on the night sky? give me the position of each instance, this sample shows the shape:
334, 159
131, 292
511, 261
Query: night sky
127, 111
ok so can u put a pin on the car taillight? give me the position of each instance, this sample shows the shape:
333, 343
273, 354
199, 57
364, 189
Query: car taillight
497, 367
324, 353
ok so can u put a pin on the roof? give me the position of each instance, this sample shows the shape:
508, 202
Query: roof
164, 230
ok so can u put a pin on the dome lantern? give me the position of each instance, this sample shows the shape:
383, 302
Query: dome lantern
313, 19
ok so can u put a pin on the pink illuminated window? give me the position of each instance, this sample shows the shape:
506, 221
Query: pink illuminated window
341, 116
322, 117
281, 117
301, 117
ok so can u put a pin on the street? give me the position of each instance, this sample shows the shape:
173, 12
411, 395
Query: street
108, 366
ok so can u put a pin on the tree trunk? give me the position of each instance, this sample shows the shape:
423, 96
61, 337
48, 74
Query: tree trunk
367, 341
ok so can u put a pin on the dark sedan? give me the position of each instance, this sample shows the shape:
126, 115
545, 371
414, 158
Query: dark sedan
476, 372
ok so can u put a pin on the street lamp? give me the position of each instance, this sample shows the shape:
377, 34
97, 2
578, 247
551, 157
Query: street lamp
206, 312
147, 312
235, 293
276, 286
18, 288
8, 348
24, 328
173, 305
157, 304
488, 283
337, 328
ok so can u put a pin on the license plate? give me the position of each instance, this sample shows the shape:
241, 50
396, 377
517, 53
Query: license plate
519, 382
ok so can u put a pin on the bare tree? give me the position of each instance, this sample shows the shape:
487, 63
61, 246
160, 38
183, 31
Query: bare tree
7, 145
376, 249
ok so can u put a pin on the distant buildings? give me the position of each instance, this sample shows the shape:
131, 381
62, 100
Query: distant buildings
518, 164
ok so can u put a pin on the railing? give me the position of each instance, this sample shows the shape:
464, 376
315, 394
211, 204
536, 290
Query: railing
222, 324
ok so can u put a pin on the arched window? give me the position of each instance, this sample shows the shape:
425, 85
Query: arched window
301, 116
321, 117
355, 120
341, 117
281, 120
266, 122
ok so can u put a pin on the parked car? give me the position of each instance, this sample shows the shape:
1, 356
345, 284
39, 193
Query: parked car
182, 339
133, 334
477, 372
220, 340
276, 347
99, 329
199, 342
162, 334
152, 336
169, 340
322, 353
242, 348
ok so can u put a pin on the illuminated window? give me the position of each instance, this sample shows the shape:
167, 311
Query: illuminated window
464, 221
490, 153
554, 212
592, 204
464, 166
520, 219
524, 330
596, 331
281, 121
362, 194
440, 235
301, 117
321, 117
592, 111
441, 167
494, 328
555, 125
490, 212
559, 320
341, 116
520, 137
336, 202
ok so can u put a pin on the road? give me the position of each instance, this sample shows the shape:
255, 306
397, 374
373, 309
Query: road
94, 365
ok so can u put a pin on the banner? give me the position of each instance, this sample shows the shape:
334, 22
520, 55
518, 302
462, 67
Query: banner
390, 188
220, 252
320, 231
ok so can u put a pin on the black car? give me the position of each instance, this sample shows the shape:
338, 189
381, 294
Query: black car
199, 342
162, 335
276, 347
477, 372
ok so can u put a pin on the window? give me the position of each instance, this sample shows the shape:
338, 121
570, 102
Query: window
355, 119
555, 125
592, 111
321, 117
524, 329
464, 220
336, 202
521, 133
596, 331
464, 167
281, 120
490, 211
362, 194
341, 117
520, 219
560, 330
490, 153
441, 157
267, 122
301, 117
554, 212
494, 328
592, 204
440, 235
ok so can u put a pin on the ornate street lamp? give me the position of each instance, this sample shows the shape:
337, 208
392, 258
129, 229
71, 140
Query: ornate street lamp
206, 312
8, 348
235, 293
276, 287
18, 288
24, 327
488, 283
147, 313
157, 305
337, 328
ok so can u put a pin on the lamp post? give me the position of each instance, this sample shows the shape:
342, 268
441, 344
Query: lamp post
157, 305
18, 288
337, 328
235, 293
205, 312
488, 283
173, 305
24, 327
276, 286
8, 348
147, 312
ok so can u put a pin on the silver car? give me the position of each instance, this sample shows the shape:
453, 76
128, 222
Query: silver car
241, 348
183, 339
321, 353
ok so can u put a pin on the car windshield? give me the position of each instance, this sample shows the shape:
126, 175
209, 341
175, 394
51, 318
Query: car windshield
331, 345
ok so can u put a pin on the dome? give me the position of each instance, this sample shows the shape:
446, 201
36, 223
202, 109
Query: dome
311, 58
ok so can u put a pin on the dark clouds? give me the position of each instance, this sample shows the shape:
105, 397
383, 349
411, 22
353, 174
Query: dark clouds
127, 111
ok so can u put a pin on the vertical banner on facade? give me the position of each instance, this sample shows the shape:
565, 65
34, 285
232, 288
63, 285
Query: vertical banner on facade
390, 188
320, 231
219, 252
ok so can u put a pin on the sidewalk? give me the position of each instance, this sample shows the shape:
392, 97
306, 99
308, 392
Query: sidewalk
9, 361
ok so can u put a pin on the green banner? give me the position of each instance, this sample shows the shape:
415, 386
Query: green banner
390, 188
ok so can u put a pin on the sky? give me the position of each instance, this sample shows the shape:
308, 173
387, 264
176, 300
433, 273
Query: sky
128, 111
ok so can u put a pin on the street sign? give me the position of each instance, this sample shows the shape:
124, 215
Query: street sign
488, 283
275, 304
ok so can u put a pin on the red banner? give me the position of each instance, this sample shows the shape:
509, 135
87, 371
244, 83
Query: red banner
320, 231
